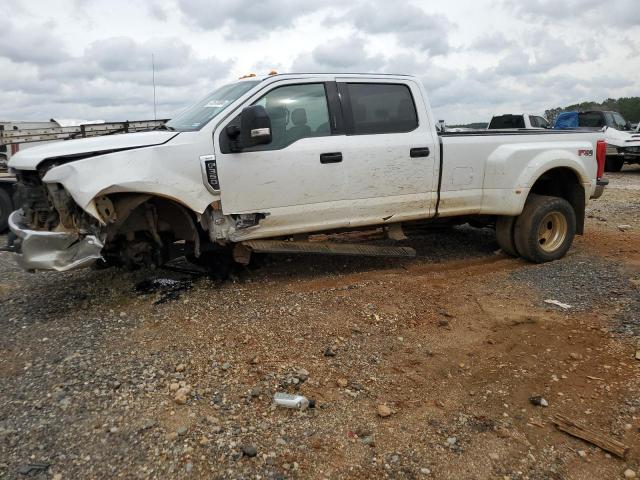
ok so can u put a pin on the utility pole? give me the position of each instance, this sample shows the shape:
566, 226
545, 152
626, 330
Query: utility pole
153, 77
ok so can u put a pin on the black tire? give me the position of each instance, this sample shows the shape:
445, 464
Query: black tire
540, 244
613, 164
6, 207
504, 235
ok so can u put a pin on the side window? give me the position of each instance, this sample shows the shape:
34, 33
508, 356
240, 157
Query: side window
539, 122
621, 123
381, 108
296, 112
610, 121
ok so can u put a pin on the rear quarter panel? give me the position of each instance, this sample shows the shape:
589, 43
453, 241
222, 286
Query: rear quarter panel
505, 167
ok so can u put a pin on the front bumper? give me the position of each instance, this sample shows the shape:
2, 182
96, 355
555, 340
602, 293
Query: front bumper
61, 251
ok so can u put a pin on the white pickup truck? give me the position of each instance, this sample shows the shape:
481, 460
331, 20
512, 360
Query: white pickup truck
518, 121
261, 163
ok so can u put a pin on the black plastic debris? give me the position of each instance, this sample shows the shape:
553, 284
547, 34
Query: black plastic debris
167, 288
539, 401
31, 469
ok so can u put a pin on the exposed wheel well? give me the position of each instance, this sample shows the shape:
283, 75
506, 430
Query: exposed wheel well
161, 221
564, 183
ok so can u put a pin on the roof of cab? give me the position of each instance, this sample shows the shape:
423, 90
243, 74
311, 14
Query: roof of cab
281, 76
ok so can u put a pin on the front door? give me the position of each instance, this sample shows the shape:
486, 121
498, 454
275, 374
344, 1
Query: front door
390, 151
298, 181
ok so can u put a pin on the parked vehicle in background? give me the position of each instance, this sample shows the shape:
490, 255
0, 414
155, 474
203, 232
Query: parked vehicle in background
262, 164
518, 121
623, 144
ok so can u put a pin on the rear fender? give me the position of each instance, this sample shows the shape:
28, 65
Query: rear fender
513, 169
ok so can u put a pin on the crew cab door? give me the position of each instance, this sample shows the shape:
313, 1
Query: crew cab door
389, 151
297, 182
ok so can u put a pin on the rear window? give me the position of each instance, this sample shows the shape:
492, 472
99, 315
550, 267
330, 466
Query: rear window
591, 119
507, 121
381, 108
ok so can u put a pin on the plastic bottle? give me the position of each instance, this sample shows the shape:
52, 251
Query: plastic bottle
291, 401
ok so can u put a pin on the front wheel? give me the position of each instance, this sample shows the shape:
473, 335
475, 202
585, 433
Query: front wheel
545, 229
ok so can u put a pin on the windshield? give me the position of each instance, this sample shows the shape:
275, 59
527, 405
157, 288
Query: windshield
198, 115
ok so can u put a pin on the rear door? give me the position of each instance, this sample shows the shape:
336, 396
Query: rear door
389, 150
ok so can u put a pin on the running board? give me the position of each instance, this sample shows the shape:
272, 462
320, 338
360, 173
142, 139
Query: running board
277, 246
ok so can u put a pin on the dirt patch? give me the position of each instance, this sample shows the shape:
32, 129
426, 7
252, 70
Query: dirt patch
453, 343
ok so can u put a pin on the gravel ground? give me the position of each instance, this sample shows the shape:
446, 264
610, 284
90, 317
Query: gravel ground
419, 368
572, 281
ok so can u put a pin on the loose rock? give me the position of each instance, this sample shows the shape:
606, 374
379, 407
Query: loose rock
182, 395
329, 351
384, 411
249, 451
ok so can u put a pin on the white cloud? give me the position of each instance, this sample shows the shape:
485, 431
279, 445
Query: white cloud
411, 25
92, 59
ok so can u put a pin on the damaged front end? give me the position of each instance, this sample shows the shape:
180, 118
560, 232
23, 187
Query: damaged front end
51, 250
52, 232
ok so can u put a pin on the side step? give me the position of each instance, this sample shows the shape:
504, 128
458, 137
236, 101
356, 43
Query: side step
277, 246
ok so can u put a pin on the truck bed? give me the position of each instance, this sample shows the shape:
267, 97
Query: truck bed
481, 170
522, 131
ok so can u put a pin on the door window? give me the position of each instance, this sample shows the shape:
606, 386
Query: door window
381, 108
539, 122
621, 123
296, 112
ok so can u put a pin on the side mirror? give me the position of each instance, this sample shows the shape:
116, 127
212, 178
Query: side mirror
255, 127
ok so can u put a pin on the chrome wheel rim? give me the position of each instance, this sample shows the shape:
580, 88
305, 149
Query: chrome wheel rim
552, 231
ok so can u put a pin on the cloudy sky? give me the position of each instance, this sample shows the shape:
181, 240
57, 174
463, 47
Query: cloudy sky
91, 59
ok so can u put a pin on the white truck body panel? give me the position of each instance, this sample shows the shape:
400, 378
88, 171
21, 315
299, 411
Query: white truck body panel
493, 174
154, 170
30, 158
619, 138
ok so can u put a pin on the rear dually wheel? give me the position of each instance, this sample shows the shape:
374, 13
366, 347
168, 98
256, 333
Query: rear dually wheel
545, 229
